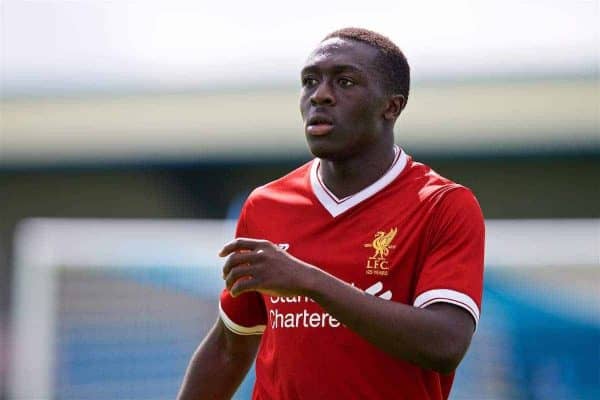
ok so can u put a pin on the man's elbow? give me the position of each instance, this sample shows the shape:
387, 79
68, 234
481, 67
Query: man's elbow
447, 358
446, 365
451, 338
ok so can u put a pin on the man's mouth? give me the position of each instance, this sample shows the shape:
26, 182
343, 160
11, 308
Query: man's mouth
319, 126
319, 129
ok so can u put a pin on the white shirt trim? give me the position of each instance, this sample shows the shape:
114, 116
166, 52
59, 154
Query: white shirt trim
448, 296
336, 206
239, 329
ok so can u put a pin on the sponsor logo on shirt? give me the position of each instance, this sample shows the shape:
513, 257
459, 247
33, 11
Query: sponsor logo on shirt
377, 264
309, 319
377, 288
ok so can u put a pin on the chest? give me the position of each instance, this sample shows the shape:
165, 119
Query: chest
377, 249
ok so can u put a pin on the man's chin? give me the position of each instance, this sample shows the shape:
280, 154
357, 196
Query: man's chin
326, 151
322, 150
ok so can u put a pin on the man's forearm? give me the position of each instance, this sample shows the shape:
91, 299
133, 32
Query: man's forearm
217, 367
433, 337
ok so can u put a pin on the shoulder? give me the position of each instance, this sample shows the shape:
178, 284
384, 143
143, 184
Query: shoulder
433, 188
452, 206
291, 186
451, 210
438, 197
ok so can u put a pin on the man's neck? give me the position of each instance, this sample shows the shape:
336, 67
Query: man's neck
349, 176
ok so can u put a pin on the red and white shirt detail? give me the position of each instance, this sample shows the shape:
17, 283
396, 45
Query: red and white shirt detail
411, 237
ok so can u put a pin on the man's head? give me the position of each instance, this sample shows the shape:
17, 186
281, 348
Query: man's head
390, 63
354, 86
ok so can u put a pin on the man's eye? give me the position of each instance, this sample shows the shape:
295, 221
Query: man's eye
345, 82
309, 81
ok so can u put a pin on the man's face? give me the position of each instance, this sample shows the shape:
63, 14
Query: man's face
342, 101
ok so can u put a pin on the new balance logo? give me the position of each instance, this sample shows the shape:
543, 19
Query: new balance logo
377, 288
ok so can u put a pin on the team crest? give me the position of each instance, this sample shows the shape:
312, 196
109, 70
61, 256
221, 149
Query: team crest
377, 264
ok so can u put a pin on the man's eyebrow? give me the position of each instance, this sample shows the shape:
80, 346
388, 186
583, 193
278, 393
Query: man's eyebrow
335, 69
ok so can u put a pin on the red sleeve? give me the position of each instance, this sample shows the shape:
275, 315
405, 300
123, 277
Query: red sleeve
245, 314
453, 267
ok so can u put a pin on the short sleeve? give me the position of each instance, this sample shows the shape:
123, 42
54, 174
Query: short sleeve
453, 267
245, 314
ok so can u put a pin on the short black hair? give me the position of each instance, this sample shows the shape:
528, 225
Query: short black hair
391, 62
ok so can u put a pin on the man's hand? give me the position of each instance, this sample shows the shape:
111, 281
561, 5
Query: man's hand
259, 265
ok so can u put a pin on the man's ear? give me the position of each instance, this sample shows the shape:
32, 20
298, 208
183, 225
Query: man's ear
394, 107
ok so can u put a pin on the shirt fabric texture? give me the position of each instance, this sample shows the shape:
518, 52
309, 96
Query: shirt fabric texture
412, 237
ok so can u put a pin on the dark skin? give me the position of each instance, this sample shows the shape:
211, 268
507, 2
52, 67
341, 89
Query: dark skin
349, 119
339, 83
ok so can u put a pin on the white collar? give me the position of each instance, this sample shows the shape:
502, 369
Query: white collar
336, 206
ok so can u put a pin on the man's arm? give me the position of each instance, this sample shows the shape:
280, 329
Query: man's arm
435, 337
219, 364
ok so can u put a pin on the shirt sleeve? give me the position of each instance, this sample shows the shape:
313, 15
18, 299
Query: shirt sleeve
453, 267
245, 314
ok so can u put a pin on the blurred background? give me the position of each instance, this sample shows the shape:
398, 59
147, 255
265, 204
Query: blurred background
131, 133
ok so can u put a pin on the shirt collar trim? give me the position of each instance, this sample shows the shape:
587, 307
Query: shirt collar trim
336, 206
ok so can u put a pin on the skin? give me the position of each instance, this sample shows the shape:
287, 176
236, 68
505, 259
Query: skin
339, 84
219, 364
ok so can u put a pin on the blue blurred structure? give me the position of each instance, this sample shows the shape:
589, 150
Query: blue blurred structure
522, 350
539, 352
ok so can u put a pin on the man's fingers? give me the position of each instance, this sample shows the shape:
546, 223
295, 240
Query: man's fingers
240, 244
243, 285
240, 258
238, 273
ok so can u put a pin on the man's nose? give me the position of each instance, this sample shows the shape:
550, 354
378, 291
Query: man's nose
322, 95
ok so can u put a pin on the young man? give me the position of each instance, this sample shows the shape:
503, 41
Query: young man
362, 270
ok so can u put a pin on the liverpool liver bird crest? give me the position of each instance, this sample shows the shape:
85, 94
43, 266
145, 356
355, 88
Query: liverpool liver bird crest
382, 242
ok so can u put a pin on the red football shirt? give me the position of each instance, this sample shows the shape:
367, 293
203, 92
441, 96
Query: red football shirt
412, 237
